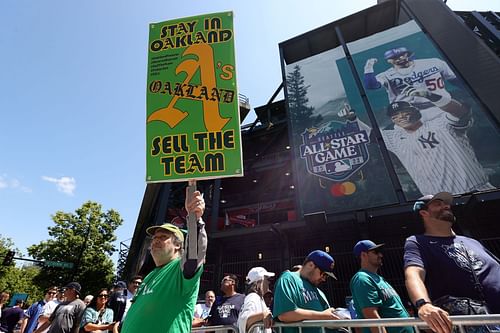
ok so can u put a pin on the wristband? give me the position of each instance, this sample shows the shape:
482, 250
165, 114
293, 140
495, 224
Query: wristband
421, 302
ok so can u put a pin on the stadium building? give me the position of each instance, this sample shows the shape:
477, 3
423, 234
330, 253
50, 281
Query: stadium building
298, 194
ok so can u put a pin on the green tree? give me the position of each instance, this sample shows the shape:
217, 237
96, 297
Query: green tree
18, 280
84, 238
301, 114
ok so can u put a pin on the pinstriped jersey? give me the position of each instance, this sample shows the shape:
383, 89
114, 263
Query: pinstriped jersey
438, 156
424, 74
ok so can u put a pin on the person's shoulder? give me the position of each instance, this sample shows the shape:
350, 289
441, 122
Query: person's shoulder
460, 238
238, 295
79, 302
287, 275
412, 238
91, 309
252, 297
362, 276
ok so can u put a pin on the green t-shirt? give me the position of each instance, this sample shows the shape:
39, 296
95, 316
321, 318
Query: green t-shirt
371, 290
292, 292
164, 302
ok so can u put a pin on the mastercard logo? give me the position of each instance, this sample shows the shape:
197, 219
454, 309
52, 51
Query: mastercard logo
341, 189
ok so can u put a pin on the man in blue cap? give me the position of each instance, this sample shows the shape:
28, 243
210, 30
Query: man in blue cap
373, 296
297, 296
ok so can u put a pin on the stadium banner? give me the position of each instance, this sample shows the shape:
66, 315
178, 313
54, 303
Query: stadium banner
438, 134
338, 166
192, 120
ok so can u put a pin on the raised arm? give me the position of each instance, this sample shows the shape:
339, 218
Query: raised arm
369, 80
195, 204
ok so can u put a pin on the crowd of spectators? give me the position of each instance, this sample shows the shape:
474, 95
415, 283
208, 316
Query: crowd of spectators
437, 265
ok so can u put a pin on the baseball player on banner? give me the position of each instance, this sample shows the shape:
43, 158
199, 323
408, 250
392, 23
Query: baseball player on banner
430, 127
436, 153
409, 79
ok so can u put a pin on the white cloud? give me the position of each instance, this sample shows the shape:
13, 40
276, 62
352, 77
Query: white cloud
66, 185
13, 183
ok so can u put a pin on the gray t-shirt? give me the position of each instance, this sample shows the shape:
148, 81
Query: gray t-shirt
67, 316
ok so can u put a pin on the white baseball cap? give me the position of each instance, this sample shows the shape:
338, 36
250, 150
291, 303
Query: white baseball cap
257, 274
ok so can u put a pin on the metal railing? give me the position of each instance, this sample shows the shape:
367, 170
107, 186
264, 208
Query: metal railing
350, 325
228, 329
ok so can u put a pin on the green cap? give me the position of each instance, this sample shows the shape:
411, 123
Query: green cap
168, 227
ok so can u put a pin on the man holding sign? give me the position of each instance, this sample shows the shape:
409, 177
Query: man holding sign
165, 300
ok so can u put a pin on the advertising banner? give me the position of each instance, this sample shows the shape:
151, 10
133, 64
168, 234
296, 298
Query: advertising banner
192, 121
436, 131
339, 166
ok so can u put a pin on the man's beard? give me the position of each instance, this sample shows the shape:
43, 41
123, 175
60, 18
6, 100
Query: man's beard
406, 69
447, 215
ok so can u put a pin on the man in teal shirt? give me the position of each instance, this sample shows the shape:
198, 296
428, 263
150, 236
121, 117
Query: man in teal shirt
166, 298
297, 296
373, 296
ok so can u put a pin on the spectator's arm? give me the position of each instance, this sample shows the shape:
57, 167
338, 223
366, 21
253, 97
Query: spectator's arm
265, 317
42, 319
372, 313
195, 205
304, 314
24, 322
44, 326
90, 327
437, 319
198, 322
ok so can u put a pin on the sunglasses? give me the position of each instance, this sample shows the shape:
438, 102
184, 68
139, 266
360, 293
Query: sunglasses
103, 296
323, 274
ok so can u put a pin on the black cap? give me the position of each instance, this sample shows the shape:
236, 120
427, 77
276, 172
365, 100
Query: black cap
75, 286
120, 284
400, 106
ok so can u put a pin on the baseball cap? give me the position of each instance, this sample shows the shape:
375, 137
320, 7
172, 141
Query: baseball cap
420, 204
365, 245
399, 106
323, 260
257, 274
75, 286
168, 227
120, 284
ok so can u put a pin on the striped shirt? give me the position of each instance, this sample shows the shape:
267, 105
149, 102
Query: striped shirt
438, 156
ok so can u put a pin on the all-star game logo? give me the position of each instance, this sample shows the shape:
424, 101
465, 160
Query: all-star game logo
336, 150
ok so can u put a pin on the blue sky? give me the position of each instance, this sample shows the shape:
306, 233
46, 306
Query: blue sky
73, 88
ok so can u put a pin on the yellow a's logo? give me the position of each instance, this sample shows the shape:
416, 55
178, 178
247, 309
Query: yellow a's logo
211, 113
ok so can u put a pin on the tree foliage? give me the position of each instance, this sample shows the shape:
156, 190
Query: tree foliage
18, 280
84, 238
301, 114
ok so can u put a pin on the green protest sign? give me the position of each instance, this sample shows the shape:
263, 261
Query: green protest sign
192, 123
